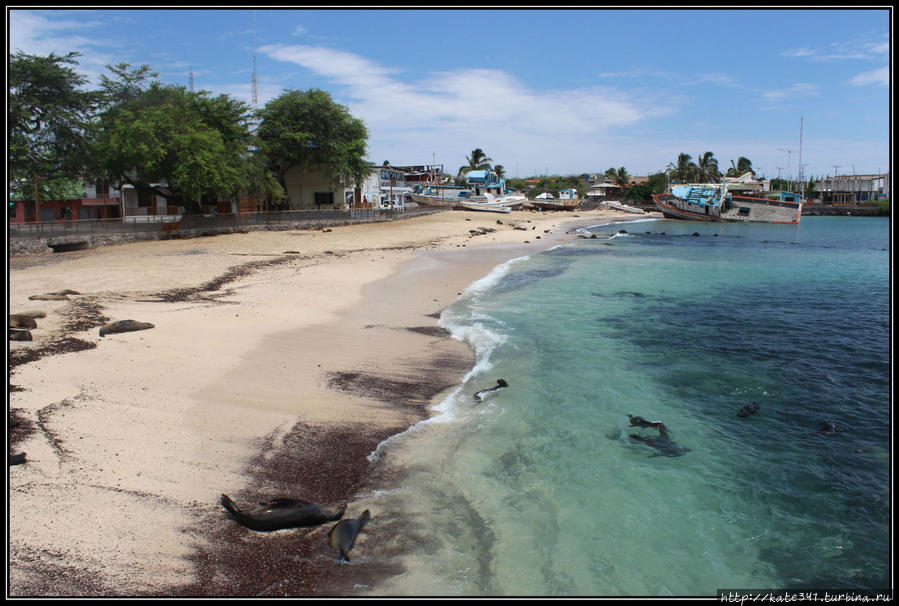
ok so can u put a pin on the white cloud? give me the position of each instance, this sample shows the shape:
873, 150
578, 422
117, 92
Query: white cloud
466, 108
879, 77
33, 33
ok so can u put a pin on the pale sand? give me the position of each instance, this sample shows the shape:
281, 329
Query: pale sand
277, 383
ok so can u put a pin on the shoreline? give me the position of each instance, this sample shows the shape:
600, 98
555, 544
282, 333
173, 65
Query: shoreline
252, 376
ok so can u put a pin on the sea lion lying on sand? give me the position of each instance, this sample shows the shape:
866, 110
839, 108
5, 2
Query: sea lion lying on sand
500, 383
663, 444
48, 297
748, 409
65, 292
343, 535
123, 326
19, 335
17, 459
281, 513
21, 321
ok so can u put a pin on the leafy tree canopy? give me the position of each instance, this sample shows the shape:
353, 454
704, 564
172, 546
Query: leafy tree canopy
196, 143
49, 118
308, 129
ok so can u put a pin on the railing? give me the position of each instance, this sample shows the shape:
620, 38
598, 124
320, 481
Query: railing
260, 220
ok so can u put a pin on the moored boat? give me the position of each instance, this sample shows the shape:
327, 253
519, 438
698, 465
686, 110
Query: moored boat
493, 207
713, 202
624, 207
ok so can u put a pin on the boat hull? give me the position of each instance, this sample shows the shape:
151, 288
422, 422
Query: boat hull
742, 209
485, 206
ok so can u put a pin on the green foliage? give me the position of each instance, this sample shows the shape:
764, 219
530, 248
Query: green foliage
195, 143
478, 160
49, 119
308, 129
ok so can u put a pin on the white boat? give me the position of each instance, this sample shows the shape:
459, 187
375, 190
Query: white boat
509, 200
493, 207
624, 207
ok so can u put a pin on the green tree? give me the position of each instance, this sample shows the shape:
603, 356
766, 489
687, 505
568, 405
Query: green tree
685, 170
49, 123
743, 166
500, 171
195, 143
619, 176
309, 130
478, 160
707, 168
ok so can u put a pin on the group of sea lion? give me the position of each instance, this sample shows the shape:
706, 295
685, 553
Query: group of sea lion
668, 448
283, 513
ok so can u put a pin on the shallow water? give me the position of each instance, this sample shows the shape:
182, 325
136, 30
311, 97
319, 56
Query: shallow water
538, 490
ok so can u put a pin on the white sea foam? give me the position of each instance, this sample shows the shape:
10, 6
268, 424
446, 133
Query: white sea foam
473, 328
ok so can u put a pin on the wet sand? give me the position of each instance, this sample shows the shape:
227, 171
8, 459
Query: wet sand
277, 362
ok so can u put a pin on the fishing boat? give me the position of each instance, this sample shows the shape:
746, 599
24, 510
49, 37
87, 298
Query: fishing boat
714, 202
512, 201
492, 207
437, 195
624, 207
547, 204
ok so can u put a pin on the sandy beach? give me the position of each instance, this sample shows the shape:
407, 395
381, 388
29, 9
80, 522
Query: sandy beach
276, 364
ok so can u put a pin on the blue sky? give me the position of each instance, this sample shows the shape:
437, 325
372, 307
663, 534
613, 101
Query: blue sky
563, 91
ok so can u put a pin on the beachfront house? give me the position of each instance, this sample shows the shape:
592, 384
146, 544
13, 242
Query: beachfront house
605, 191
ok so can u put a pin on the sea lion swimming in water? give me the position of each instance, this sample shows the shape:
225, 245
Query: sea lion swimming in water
663, 444
641, 422
829, 428
343, 535
748, 409
500, 383
281, 513
123, 326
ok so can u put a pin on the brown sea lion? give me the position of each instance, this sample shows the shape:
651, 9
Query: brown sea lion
663, 444
343, 535
65, 292
748, 409
281, 513
21, 321
48, 297
500, 383
123, 326
641, 422
19, 335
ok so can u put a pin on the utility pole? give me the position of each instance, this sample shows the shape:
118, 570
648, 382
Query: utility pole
190, 79
836, 168
789, 174
255, 97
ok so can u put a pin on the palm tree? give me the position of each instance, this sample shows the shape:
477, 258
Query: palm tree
619, 176
500, 171
708, 168
478, 160
743, 166
685, 170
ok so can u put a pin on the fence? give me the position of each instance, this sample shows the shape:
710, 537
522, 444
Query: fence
259, 220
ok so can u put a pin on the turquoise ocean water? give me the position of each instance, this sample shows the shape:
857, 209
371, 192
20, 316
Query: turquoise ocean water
538, 490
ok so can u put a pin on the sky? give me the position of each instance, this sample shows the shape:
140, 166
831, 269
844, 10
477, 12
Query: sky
559, 91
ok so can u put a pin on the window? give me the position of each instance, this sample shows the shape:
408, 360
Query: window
145, 198
102, 187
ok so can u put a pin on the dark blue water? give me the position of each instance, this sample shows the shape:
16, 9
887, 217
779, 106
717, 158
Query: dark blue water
541, 490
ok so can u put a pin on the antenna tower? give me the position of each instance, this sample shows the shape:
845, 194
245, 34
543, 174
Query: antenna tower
255, 96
